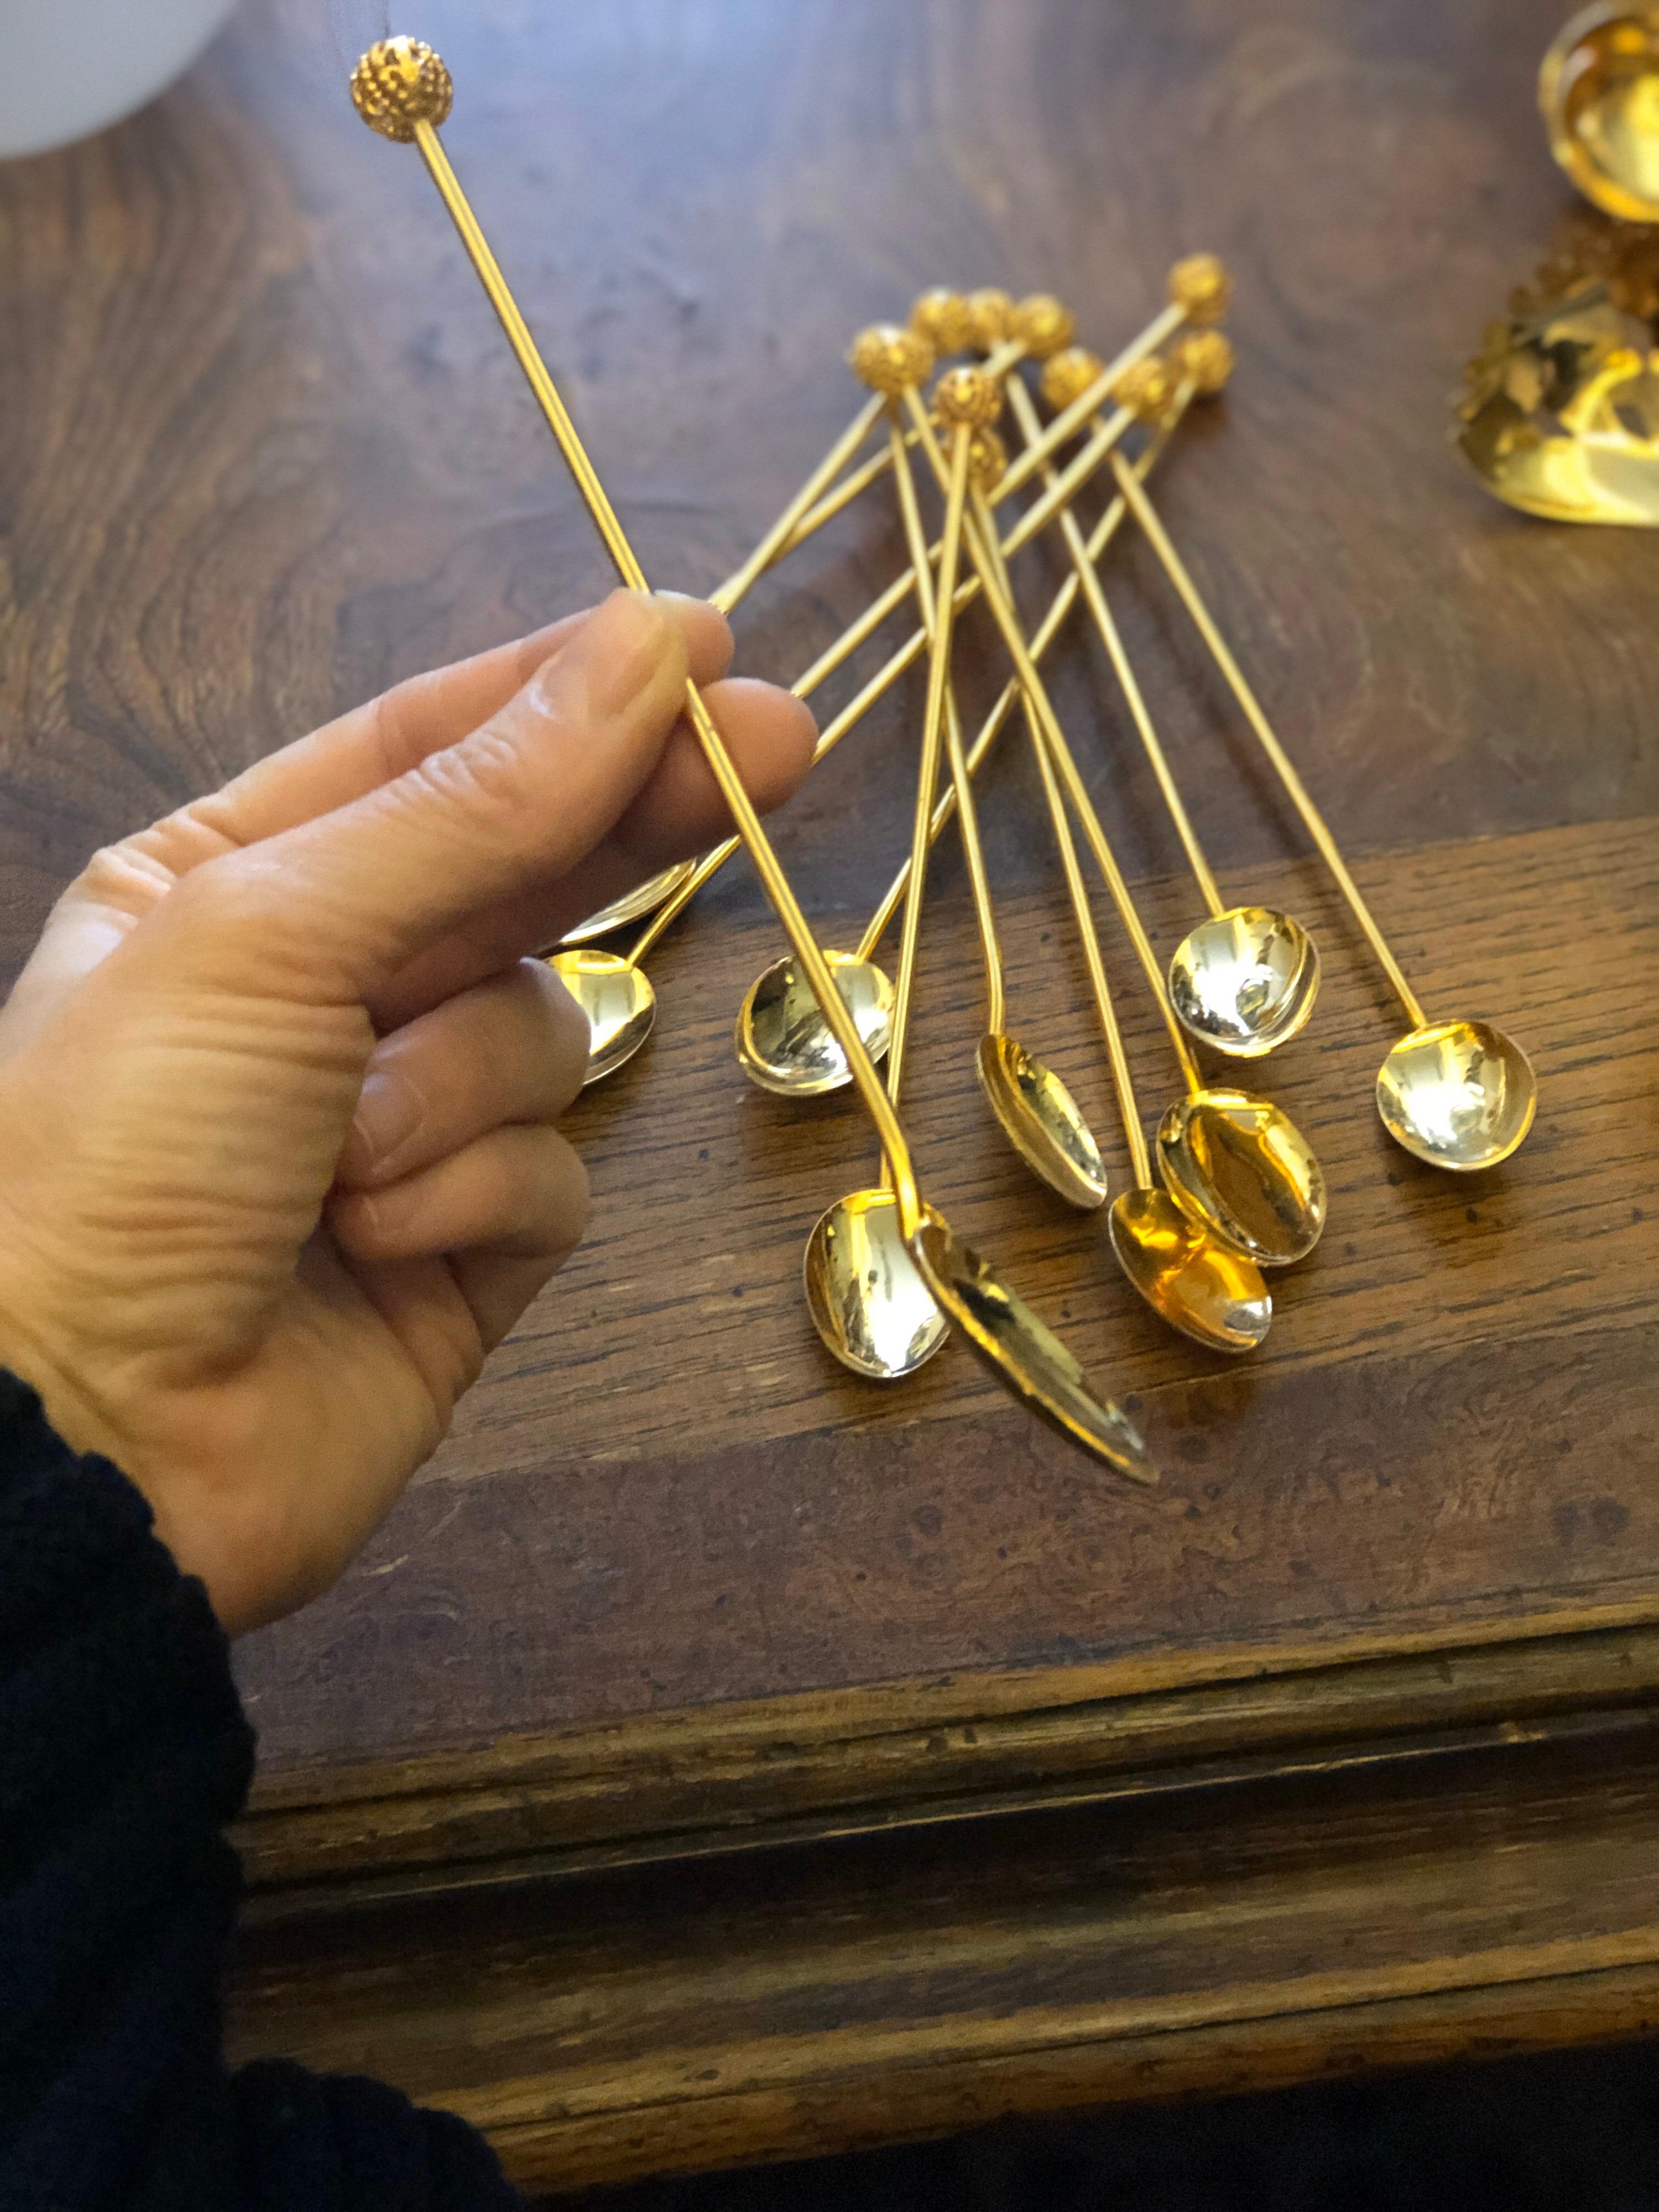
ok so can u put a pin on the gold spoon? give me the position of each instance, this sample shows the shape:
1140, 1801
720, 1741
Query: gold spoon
1459, 1095
1237, 1164
1035, 1111
1598, 87
1197, 1285
796, 1057
402, 89
1244, 981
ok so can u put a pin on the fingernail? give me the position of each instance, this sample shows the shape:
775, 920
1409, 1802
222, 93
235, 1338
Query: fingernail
388, 1115
611, 660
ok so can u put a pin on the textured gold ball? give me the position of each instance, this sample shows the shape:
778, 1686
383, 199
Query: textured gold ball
1068, 375
1044, 323
1145, 388
988, 461
890, 359
399, 83
942, 317
969, 396
1203, 359
991, 317
1201, 285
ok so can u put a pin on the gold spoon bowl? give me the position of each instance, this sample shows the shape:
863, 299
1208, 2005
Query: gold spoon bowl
1598, 87
1042, 1120
784, 1044
617, 998
1214, 1296
866, 1295
1241, 1169
1459, 1095
633, 906
1027, 1357
1244, 982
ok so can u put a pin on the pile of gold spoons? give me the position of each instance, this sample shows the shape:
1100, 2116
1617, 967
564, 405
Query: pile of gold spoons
1229, 1187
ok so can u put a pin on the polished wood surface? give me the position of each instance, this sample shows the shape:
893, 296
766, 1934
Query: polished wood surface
678, 1584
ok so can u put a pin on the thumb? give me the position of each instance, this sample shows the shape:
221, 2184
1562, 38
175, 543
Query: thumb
346, 899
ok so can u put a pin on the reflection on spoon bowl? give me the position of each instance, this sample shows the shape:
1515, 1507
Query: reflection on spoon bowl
1459, 1095
1025, 1355
1598, 89
1211, 1294
618, 1001
784, 1043
1244, 1172
1042, 1120
1245, 981
633, 906
866, 1297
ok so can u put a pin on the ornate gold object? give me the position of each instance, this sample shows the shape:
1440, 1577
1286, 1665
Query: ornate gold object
1145, 388
967, 398
1045, 325
399, 84
945, 319
1201, 287
890, 358
1598, 87
1067, 376
991, 318
1203, 359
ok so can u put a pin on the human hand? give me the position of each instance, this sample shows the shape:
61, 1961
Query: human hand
278, 1161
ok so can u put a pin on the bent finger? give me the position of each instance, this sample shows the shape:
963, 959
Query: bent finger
520, 1191
512, 1048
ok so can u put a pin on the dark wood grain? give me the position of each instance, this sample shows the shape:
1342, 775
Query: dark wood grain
678, 1594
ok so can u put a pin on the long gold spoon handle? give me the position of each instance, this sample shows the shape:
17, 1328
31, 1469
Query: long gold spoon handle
1026, 414
1082, 913
984, 912
1102, 535
955, 479
774, 881
1147, 515
1037, 693
725, 595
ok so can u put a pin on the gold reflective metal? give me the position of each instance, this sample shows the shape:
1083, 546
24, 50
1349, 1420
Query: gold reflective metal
1598, 87
1043, 1119
633, 906
1033, 1363
990, 730
1241, 1167
868, 1300
1245, 981
785, 1045
1459, 1095
1034, 1109
1519, 1086
1561, 418
1211, 1294
617, 998
1234, 1213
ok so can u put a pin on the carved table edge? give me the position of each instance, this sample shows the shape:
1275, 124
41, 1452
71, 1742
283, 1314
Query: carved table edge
691, 1782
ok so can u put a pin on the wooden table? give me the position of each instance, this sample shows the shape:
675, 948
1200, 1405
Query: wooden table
713, 1758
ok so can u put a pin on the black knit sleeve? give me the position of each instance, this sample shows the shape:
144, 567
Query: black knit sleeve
123, 1753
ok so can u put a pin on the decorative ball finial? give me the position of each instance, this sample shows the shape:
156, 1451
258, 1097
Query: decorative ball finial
1145, 387
991, 317
1045, 325
1067, 376
1201, 285
967, 396
399, 83
889, 360
942, 317
988, 461
1203, 359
